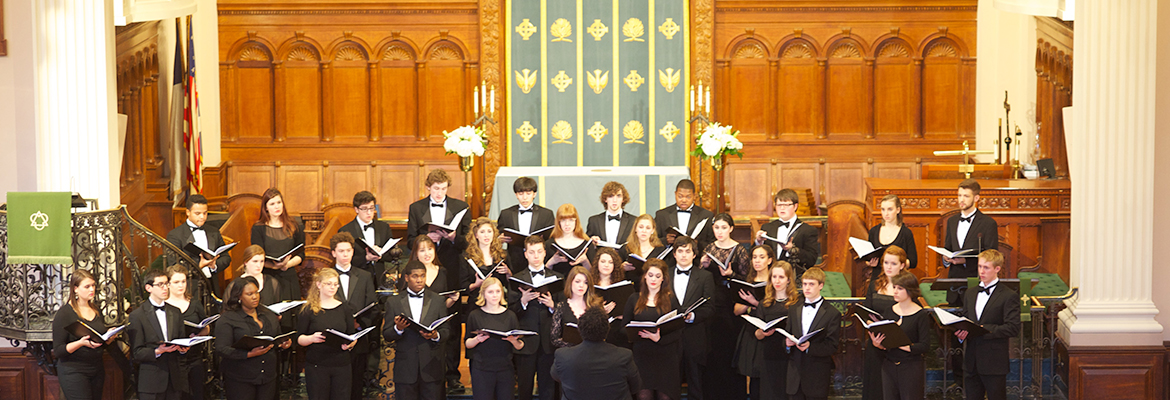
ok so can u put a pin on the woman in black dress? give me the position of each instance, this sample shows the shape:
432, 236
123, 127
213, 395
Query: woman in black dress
486, 250
253, 266
423, 250
608, 272
780, 294
568, 236
492, 373
721, 375
879, 296
277, 233
579, 296
79, 358
903, 371
749, 360
191, 362
657, 355
643, 243
249, 374
327, 357
891, 232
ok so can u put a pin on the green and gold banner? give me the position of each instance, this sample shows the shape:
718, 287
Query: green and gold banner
40, 228
597, 83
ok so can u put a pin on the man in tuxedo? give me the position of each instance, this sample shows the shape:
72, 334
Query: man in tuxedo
208, 237
810, 364
437, 208
525, 218
595, 369
369, 233
535, 309
356, 289
796, 242
154, 322
997, 309
690, 285
418, 361
614, 224
684, 213
969, 230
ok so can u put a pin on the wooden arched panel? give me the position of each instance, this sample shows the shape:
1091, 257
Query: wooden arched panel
800, 85
748, 96
444, 90
894, 89
397, 91
942, 89
298, 93
348, 94
847, 90
249, 90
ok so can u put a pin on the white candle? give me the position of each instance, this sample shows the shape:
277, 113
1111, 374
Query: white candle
708, 104
700, 94
692, 98
475, 100
483, 92
492, 103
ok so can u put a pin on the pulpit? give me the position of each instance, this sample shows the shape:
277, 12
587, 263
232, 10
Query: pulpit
1033, 217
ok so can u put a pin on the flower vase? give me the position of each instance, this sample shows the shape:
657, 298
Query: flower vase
717, 163
465, 163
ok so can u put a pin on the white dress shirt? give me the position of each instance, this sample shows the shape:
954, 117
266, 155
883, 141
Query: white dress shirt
525, 220
368, 234
807, 314
612, 227
162, 318
982, 297
782, 233
684, 219
963, 227
438, 214
680, 283
200, 235
344, 280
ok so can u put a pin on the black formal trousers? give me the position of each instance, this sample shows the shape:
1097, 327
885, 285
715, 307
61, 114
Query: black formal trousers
238, 390
492, 385
904, 381
993, 387
325, 383
540, 366
79, 384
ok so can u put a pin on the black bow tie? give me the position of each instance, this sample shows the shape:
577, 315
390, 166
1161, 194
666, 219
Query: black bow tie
370, 226
681, 272
440, 205
815, 303
523, 210
414, 295
783, 224
613, 217
968, 219
346, 272
988, 289
537, 273
688, 211
159, 308
195, 228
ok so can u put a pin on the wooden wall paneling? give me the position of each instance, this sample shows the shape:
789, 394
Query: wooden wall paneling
798, 90
1121, 372
302, 186
845, 181
894, 107
398, 91
396, 186
348, 93
444, 91
456, 189
750, 184
941, 89
1054, 245
249, 92
797, 175
299, 93
746, 98
343, 181
13, 381
846, 91
896, 170
250, 178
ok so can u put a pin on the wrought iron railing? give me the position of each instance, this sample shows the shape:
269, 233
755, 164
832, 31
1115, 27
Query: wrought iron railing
111, 245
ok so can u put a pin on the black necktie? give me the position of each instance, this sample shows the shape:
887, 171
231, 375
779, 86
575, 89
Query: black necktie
988, 289
688, 211
783, 224
681, 272
815, 303
195, 228
414, 295
370, 226
613, 217
440, 205
522, 211
968, 219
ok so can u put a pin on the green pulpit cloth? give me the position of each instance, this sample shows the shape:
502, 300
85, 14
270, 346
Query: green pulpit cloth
39, 228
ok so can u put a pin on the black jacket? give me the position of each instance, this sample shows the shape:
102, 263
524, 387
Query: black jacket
983, 235
667, 218
382, 233
701, 285
806, 239
812, 371
417, 357
361, 294
449, 254
597, 371
154, 373
535, 317
181, 236
988, 354
510, 218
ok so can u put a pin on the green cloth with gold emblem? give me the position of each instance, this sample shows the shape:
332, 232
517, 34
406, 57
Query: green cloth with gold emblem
39, 228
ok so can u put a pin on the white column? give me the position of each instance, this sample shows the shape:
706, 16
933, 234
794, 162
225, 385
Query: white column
74, 90
1111, 154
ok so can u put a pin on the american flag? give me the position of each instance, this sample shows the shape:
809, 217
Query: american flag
192, 136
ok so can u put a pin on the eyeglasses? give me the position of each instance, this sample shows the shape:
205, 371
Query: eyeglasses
158, 284
331, 284
366, 209
785, 204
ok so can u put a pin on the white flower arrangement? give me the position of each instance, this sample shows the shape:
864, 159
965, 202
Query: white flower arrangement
465, 141
716, 141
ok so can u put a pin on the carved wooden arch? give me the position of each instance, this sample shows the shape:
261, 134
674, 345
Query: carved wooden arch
892, 46
252, 50
747, 47
397, 49
299, 48
348, 49
449, 48
788, 47
846, 46
944, 44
